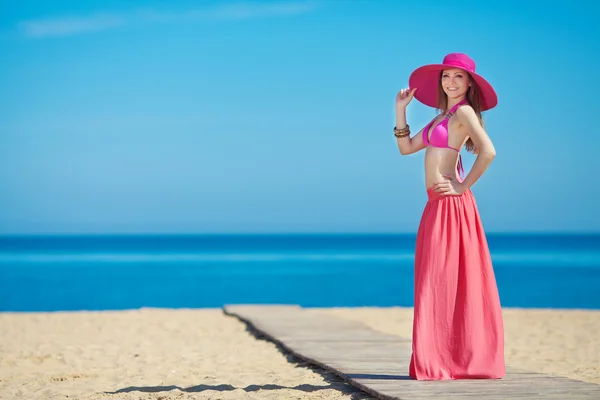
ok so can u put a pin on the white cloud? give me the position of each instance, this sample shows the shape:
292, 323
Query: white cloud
101, 21
255, 10
70, 25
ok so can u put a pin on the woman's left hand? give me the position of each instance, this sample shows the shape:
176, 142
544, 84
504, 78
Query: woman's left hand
449, 186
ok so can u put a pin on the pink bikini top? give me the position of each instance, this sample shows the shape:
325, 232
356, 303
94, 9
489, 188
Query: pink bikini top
439, 135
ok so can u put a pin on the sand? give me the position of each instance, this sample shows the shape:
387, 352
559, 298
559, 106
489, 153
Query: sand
555, 342
204, 354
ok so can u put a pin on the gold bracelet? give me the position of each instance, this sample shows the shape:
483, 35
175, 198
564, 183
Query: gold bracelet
403, 130
400, 133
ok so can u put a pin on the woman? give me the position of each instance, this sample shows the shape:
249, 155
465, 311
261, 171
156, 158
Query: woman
458, 330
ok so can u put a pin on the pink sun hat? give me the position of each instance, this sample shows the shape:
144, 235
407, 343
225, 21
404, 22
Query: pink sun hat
426, 80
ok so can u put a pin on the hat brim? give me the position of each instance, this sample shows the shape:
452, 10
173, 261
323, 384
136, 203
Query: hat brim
426, 80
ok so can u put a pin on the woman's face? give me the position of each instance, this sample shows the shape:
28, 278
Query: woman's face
455, 83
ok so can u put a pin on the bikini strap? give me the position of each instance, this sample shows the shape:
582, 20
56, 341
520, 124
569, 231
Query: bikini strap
459, 167
453, 109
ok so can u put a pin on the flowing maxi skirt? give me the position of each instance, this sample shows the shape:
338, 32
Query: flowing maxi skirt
458, 330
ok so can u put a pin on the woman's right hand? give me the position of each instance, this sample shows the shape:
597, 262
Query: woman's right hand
404, 97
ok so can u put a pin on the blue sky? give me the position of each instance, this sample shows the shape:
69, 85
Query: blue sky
236, 117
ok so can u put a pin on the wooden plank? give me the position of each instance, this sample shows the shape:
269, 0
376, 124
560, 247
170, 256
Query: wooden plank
377, 363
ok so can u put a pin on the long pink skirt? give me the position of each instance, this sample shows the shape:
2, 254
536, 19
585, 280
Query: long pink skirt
458, 331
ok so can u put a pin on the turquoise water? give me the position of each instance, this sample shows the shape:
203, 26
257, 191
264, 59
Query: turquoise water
51, 273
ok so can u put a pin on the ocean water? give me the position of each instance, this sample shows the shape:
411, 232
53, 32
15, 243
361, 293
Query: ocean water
54, 273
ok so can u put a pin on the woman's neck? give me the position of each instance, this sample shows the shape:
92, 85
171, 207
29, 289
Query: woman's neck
453, 102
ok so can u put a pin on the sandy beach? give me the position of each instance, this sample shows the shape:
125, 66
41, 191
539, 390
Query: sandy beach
204, 354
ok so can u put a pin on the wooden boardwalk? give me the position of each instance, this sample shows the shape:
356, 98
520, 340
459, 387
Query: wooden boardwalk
377, 363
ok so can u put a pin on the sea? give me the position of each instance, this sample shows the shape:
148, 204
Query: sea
116, 272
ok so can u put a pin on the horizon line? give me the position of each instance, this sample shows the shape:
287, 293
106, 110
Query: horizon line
290, 233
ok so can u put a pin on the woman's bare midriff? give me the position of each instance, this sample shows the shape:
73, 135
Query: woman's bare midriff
440, 162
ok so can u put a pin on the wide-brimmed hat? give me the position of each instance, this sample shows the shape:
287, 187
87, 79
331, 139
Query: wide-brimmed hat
426, 79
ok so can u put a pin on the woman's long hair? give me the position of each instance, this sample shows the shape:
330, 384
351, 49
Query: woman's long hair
473, 98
